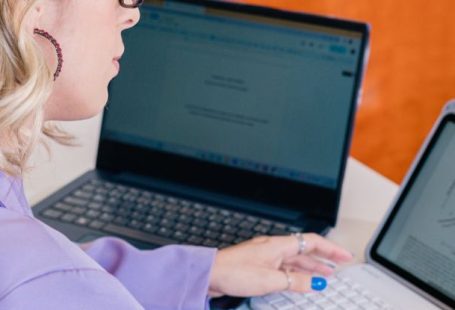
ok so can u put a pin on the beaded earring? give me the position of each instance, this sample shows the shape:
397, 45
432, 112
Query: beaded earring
57, 47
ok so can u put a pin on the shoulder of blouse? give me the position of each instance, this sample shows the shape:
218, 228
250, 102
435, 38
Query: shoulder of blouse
29, 249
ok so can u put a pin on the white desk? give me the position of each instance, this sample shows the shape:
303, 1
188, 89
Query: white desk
365, 198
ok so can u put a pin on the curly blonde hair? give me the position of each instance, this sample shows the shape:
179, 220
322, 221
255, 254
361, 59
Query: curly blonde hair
25, 86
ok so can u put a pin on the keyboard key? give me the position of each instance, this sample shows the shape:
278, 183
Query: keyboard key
99, 198
76, 201
214, 226
216, 218
53, 214
135, 224
239, 240
171, 215
101, 191
167, 223
150, 228
112, 201
223, 245
82, 194
68, 217
123, 212
200, 223
95, 205
96, 224
232, 221
245, 234
108, 209
182, 227
273, 298
93, 213
137, 216
106, 217
165, 232
238, 216
82, 221
62, 206
194, 230
294, 229
246, 224
141, 208
195, 240
210, 243
135, 234
201, 214
261, 229
184, 219
88, 188
278, 232
283, 304
120, 220
156, 211
211, 234
180, 236
78, 210
152, 219
229, 230
227, 238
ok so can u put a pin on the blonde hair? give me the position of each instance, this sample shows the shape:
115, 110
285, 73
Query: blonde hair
25, 86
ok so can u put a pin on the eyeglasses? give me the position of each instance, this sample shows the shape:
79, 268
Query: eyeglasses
131, 4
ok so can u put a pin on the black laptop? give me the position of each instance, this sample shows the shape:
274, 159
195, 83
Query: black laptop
227, 121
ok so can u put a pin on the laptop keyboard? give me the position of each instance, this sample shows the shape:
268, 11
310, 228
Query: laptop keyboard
156, 218
341, 294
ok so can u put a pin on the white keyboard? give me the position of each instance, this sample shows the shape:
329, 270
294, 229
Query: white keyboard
341, 294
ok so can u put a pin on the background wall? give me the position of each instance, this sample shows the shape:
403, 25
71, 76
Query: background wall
410, 75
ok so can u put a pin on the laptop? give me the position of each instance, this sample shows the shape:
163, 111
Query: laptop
410, 261
227, 121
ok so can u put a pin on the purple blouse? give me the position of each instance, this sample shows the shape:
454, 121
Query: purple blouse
41, 269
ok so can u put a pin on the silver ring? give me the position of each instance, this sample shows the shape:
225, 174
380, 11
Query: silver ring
288, 279
302, 242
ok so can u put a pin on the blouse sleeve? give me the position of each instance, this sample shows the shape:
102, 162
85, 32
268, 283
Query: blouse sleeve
171, 277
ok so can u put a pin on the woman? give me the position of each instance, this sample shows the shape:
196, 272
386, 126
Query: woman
56, 60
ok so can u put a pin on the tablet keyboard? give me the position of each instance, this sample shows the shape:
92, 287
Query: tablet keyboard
341, 294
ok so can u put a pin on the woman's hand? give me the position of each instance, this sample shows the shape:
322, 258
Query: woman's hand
256, 267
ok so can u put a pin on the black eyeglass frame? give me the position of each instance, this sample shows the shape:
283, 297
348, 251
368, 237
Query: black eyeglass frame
137, 4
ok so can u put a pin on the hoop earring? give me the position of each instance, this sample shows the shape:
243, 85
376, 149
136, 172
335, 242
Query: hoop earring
57, 47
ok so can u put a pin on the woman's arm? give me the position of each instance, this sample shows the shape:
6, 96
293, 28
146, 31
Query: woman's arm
171, 277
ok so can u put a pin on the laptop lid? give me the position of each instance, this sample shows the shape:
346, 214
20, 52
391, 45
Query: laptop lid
240, 100
416, 241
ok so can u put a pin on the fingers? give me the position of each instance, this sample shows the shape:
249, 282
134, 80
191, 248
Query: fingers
315, 244
300, 282
309, 264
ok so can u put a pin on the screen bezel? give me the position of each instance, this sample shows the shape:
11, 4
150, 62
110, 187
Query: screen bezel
120, 157
373, 251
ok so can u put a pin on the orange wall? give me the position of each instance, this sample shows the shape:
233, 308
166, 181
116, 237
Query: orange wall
410, 75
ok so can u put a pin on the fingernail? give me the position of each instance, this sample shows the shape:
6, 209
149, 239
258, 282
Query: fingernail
318, 283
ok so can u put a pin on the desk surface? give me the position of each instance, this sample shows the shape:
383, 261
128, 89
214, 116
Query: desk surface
365, 197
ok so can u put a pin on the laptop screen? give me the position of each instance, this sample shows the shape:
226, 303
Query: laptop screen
270, 96
418, 238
